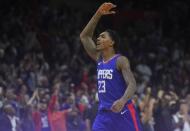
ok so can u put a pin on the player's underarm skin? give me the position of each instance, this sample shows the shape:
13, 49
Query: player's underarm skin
87, 34
124, 67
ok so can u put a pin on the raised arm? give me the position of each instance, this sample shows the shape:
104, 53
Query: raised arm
34, 96
124, 66
88, 32
54, 98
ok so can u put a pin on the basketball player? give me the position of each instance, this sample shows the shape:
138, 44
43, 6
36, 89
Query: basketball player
116, 83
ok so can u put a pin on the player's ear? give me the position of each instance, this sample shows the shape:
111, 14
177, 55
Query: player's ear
112, 43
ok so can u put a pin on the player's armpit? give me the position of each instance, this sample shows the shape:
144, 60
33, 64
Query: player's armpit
124, 66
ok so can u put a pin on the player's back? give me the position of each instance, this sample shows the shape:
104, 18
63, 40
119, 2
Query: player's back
111, 84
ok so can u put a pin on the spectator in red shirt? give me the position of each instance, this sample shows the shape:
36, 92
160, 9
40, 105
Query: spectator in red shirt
56, 117
40, 115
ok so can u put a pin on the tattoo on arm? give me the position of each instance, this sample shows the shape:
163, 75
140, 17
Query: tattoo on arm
124, 66
90, 47
87, 34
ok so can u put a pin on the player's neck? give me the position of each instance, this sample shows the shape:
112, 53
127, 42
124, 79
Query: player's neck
107, 54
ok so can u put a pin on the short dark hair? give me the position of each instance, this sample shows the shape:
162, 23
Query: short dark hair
115, 37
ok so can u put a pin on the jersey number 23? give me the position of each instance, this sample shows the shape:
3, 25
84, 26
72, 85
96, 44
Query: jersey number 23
101, 86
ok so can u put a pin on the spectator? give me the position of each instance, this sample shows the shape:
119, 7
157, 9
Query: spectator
162, 112
57, 118
90, 114
182, 118
8, 120
146, 109
40, 113
26, 119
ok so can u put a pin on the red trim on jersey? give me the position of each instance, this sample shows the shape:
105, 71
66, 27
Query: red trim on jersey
132, 111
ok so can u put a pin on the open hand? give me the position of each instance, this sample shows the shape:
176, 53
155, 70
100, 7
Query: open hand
105, 9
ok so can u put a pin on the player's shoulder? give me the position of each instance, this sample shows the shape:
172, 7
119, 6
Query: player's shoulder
122, 58
121, 61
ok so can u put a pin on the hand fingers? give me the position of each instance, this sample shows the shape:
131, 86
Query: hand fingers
115, 108
108, 6
111, 5
110, 12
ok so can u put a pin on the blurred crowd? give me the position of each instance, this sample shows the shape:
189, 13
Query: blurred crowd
48, 83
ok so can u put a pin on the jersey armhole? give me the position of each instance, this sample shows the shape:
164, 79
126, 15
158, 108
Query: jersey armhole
117, 63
